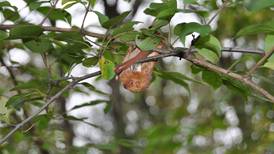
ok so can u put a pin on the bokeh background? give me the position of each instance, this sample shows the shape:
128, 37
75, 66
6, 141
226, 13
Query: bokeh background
164, 119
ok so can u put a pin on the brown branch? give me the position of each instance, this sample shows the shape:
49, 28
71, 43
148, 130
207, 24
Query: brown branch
85, 16
51, 100
13, 79
214, 68
259, 63
57, 29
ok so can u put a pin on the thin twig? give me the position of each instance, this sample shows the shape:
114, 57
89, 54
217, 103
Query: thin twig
85, 16
13, 79
216, 14
51, 9
51, 100
259, 63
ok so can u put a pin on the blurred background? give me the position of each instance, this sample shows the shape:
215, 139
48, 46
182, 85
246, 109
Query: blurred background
164, 119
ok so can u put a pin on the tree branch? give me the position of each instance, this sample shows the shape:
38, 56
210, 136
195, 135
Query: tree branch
51, 100
57, 29
212, 67
260, 62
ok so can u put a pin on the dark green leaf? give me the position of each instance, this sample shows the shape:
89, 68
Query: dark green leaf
127, 27
184, 29
42, 121
159, 23
10, 14
3, 35
93, 88
91, 61
165, 10
148, 43
91, 103
102, 18
179, 76
115, 21
212, 78
128, 36
175, 77
17, 101
39, 46
212, 43
236, 86
73, 118
25, 31
56, 14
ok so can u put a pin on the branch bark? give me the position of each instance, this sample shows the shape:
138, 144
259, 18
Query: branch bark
58, 29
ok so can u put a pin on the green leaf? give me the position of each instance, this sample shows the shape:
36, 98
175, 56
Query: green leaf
269, 45
25, 31
165, 10
92, 2
39, 46
107, 108
127, 27
56, 14
208, 55
184, 29
90, 61
93, 88
69, 36
267, 27
10, 14
209, 48
3, 35
158, 23
148, 43
179, 76
17, 101
256, 5
107, 68
73, 118
115, 21
91, 103
102, 18
42, 121
175, 77
236, 86
212, 78
128, 36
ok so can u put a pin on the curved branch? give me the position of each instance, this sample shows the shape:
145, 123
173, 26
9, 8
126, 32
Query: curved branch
213, 68
51, 100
